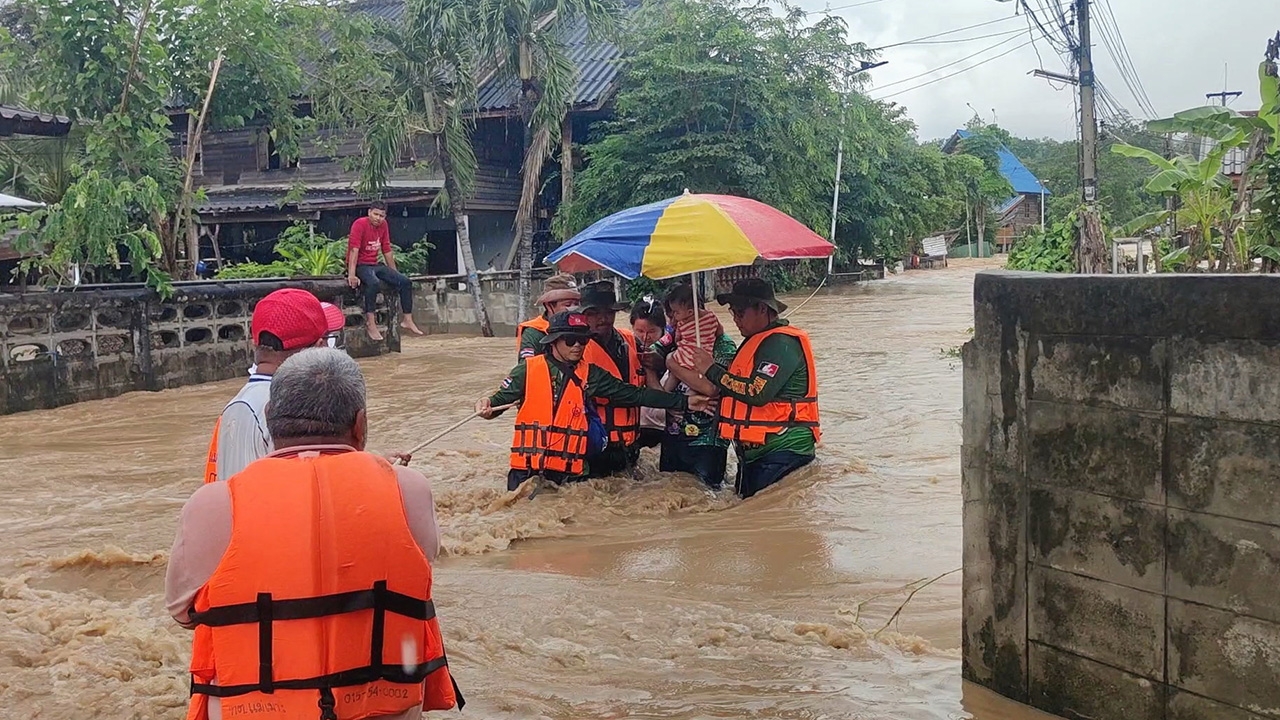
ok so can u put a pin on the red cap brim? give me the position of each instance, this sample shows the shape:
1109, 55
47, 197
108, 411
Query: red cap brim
334, 319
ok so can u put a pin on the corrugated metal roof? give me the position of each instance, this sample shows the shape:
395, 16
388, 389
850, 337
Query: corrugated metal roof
31, 122
1022, 179
597, 64
1233, 163
236, 199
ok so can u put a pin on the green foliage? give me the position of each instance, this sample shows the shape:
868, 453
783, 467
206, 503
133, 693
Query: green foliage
113, 67
728, 96
303, 253
255, 271
1205, 194
93, 225
641, 286
1120, 179
1048, 251
721, 97
787, 278
414, 260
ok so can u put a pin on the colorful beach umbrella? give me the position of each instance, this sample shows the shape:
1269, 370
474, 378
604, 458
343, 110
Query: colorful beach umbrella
688, 234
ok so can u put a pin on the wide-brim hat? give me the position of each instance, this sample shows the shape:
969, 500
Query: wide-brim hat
752, 291
601, 296
566, 324
557, 295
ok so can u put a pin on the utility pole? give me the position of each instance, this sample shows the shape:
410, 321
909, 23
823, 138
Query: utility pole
1233, 94
835, 193
1090, 251
1088, 112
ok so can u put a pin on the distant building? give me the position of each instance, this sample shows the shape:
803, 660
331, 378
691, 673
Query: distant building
1023, 210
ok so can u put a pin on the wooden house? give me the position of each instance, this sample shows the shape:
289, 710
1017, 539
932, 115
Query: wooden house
1023, 210
251, 194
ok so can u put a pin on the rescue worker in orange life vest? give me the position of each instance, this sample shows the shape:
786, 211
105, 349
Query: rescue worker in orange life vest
559, 293
769, 393
556, 391
307, 576
618, 353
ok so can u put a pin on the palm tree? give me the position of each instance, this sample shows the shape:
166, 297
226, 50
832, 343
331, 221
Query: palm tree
527, 37
428, 60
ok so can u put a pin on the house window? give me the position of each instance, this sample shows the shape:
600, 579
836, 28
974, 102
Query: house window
270, 159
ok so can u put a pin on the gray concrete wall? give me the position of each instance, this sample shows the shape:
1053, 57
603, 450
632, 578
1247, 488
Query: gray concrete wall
58, 348
445, 304
1121, 483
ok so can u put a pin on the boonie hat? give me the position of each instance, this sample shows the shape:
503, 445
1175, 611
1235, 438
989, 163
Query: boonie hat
564, 324
294, 317
752, 291
557, 288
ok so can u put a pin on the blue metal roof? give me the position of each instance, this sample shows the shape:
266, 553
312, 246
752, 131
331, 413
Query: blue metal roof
1022, 179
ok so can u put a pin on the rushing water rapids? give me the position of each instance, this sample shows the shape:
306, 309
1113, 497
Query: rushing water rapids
619, 598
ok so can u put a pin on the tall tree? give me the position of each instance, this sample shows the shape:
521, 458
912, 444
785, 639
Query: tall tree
725, 96
113, 66
990, 187
406, 83
528, 40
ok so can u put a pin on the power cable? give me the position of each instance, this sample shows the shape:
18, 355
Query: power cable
958, 72
943, 67
1124, 48
920, 40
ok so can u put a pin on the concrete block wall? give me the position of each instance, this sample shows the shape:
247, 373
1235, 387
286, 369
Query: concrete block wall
1121, 483
443, 304
58, 348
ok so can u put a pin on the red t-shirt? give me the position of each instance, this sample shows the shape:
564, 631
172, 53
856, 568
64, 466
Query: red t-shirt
369, 240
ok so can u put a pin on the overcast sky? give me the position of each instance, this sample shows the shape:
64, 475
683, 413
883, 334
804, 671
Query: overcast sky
1178, 48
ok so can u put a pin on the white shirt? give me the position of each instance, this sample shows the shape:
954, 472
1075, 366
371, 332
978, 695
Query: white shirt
242, 433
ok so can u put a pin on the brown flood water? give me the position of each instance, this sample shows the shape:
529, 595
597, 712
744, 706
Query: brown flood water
622, 598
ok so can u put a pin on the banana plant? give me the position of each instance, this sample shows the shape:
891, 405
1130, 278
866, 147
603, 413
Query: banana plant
1204, 192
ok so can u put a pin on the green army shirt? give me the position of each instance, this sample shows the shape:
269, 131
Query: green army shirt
789, 381
531, 342
599, 384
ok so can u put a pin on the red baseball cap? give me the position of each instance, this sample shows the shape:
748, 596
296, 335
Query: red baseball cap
334, 317
293, 316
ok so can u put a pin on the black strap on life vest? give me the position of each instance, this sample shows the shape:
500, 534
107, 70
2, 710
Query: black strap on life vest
265, 611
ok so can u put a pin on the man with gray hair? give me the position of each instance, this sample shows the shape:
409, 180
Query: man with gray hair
330, 545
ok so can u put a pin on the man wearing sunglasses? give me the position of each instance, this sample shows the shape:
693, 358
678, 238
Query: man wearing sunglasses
557, 392
769, 393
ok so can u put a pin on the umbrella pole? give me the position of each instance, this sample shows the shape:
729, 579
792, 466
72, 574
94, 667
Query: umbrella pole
694, 283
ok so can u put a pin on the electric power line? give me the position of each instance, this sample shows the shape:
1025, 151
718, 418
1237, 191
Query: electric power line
920, 40
958, 72
851, 5
1113, 40
956, 62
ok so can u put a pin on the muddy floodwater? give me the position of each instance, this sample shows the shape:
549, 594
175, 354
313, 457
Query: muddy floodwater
621, 598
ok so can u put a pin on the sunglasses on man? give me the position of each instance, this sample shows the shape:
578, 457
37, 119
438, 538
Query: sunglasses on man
575, 340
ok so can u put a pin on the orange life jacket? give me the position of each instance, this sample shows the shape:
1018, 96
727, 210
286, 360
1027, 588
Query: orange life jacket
623, 423
752, 425
540, 323
321, 606
550, 436
211, 464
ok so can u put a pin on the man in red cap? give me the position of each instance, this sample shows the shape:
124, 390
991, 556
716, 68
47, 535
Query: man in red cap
284, 323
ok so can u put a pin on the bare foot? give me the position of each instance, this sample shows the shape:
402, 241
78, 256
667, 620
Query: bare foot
374, 334
408, 324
